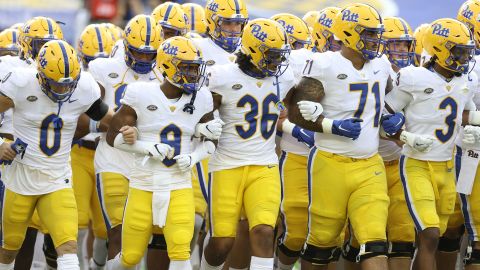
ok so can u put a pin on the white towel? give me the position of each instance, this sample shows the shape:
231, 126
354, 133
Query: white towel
470, 160
160, 203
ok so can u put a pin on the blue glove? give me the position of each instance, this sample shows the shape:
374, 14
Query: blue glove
348, 128
19, 147
392, 123
304, 136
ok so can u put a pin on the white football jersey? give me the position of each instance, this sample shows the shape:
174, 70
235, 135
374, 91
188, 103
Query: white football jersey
48, 148
298, 60
432, 107
114, 75
7, 64
162, 121
350, 93
389, 150
118, 50
250, 116
212, 54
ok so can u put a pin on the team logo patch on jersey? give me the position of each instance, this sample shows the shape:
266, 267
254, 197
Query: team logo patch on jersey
152, 108
428, 91
342, 76
259, 84
210, 63
237, 86
448, 87
32, 98
113, 75
6, 77
173, 108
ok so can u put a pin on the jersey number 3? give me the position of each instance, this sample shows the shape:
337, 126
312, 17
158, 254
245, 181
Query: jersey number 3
252, 117
449, 120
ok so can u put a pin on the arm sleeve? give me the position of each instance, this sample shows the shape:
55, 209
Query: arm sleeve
98, 110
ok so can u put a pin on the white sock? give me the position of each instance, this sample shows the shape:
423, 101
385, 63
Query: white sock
68, 262
116, 264
257, 263
180, 265
7, 266
82, 233
206, 266
281, 266
100, 251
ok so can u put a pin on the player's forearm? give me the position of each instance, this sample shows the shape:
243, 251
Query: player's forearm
296, 118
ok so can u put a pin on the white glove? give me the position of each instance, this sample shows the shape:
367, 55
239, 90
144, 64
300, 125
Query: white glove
212, 129
159, 151
310, 110
471, 134
185, 162
421, 143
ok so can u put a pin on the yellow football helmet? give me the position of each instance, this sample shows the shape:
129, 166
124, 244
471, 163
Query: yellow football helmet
265, 41
360, 27
311, 17
418, 35
95, 41
37, 32
116, 32
142, 39
195, 18
450, 44
469, 14
8, 42
182, 65
58, 70
297, 30
172, 19
400, 42
322, 30
225, 22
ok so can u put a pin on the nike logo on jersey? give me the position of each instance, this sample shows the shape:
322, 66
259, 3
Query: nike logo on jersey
378, 173
376, 71
71, 101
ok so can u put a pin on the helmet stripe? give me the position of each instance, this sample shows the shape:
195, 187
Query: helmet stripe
149, 32
167, 13
99, 38
405, 29
50, 27
14, 36
65, 60
192, 18
237, 7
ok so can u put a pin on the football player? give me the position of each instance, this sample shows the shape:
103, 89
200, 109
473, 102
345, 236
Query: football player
112, 166
195, 18
346, 174
8, 42
295, 144
40, 175
95, 41
248, 95
172, 18
160, 193
323, 38
433, 98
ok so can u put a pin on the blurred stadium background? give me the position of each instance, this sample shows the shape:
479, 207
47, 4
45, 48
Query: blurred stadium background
75, 14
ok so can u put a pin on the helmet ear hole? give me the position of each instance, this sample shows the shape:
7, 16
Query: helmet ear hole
252, 50
347, 34
436, 49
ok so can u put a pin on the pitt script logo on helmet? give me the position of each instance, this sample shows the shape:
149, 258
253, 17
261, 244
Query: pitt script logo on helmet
360, 27
450, 44
297, 30
469, 14
322, 30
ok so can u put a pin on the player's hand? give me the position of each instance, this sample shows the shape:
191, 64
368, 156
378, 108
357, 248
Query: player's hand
350, 128
160, 151
211, 130
421, 143
471, 134
310, 110
304, 135
392, 123
6, 152
129, 134
184, 162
